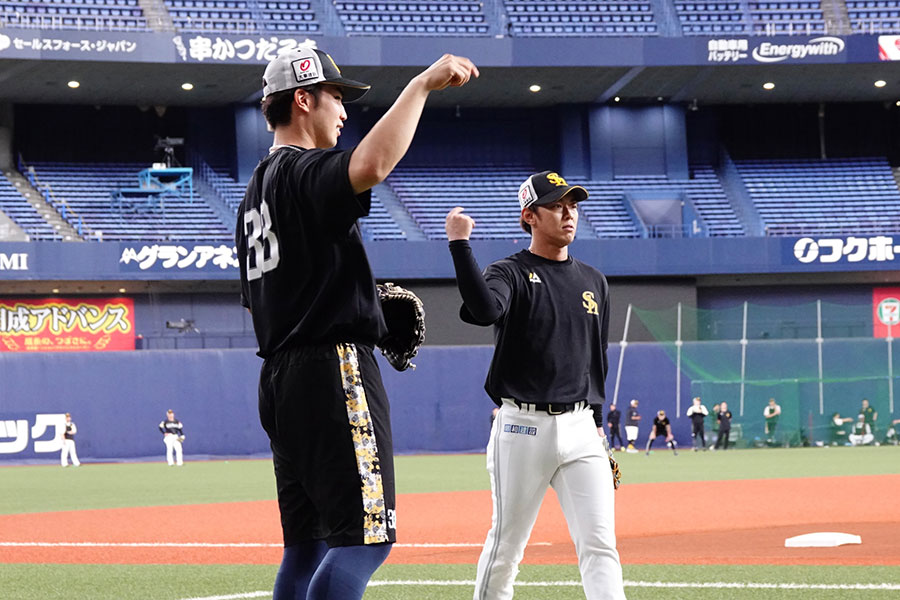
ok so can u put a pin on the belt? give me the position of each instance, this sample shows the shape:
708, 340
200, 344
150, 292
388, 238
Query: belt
551, 408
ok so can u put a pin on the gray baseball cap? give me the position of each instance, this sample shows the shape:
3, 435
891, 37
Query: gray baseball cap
303, 67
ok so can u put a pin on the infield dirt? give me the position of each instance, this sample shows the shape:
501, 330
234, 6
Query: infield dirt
719, 522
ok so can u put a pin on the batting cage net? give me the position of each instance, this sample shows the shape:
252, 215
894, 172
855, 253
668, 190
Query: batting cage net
818, 361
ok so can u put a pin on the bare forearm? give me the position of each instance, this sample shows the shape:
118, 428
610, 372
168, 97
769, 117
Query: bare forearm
383, 147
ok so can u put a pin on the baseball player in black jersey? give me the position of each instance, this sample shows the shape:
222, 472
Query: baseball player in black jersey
723, 417
68, 444
632, 424
173, 437
613, 418
662, 427
307, 282
697, 412
550, 314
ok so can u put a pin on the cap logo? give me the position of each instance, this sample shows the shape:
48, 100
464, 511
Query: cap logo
527, 195
306, 69
556, 180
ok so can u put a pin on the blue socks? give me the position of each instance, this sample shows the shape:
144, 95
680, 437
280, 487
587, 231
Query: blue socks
345, 571
298, 565
312, 571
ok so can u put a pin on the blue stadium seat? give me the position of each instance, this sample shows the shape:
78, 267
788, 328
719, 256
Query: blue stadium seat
814, 196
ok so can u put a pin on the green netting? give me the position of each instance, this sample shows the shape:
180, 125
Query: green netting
798, 321
780, 359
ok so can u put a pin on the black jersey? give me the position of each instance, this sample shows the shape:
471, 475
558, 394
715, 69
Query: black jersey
70, 431
173, 427
305, 275
632, 417
724, 418
613, 417
661, 425
551, 336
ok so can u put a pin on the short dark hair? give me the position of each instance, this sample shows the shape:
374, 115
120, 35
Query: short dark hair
276, 108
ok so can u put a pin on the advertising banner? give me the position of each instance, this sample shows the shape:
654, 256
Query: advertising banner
66, 324
885, 311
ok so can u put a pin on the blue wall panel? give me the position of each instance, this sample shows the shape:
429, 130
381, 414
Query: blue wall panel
117, 399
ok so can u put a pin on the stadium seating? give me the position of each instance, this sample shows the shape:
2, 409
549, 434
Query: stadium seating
704, 190
87, 189
17, 208
243, 16
823, 196
488, 195
106, 15
794, 17
874, 16
711, 18
431, 18
578, 18
379, 225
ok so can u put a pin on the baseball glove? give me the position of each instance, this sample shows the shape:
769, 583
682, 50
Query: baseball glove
404, 315
617, 476
613, 465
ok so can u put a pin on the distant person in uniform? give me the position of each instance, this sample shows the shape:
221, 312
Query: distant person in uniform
698, 413
838, 433
892, 436
613, 418
68, 444
862, 432
632, 423
869, 413
723, 418
662, 427
771, 412
173, 437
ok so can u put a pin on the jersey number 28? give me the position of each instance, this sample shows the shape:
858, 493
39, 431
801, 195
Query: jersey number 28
258, 229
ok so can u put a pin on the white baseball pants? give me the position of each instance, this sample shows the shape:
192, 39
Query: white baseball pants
68, 449
173, 449
527, 452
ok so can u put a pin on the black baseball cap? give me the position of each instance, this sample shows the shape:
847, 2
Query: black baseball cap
303, 67
546, 187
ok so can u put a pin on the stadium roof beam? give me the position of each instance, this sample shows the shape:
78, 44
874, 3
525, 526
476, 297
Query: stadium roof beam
624, 80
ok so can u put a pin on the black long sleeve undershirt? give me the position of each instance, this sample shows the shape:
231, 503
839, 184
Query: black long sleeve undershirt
481, 303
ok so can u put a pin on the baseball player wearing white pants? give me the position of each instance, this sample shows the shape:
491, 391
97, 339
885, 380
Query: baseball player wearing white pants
173, 435
68, 444
551, 318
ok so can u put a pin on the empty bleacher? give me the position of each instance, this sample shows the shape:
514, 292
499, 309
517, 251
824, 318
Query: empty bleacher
421, 18
489, 196
711, 18
243, 16
608, 216
106, 15
874, 16
17, 208
795, 17
379, 225
87, 189
838, 196
575, 18
487, 193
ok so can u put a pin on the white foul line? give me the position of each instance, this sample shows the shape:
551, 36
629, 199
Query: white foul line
637, 584
213, 545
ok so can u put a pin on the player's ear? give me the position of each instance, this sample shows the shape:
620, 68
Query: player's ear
303, 99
